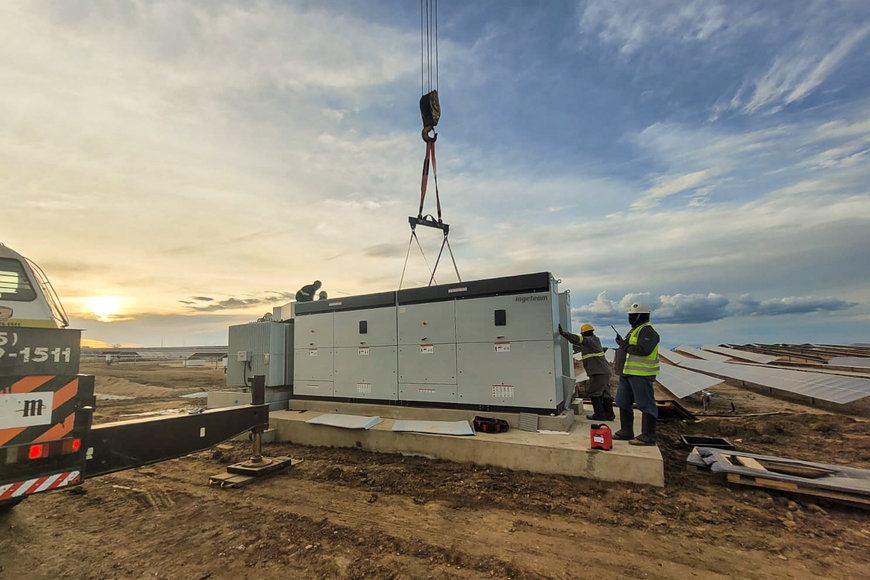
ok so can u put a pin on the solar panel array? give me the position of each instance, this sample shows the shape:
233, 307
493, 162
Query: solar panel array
682, 383
850, 361
741, 354
702, 354
827, 387
672, 356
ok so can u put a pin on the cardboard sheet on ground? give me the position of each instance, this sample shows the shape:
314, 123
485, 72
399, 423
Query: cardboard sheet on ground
435, 427
345, 421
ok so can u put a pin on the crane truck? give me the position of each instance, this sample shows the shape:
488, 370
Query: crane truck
47, 437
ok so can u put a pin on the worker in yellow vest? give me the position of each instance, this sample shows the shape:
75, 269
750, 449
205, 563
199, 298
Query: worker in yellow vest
306, 293
641, 355
597, 369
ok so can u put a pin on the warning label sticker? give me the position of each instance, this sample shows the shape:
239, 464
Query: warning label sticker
503, 391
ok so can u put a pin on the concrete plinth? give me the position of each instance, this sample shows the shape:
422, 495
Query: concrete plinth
554, 422
558, 452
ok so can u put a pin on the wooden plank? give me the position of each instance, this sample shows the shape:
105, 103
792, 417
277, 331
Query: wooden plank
783, 485
230, 480
761, 482
749, 462
856, 500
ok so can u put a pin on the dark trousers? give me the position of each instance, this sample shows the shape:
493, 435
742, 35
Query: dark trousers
598, 386
637, 390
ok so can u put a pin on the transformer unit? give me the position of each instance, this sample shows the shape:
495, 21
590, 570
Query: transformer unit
260, 348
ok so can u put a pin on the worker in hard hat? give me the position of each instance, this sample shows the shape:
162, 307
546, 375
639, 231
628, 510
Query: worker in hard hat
598, 370
640, 351
322, 295
306, 293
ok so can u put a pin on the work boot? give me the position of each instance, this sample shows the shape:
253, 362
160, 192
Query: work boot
648, 437
597, 410
607, 408
626, 426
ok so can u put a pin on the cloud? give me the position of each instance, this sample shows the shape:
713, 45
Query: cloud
667, 185
634, 25
244, 303
795, 73
691, 308
784, 55
677, 308
385, 250
746, 306
702, 308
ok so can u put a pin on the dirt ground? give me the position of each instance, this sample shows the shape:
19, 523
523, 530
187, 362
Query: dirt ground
346, 513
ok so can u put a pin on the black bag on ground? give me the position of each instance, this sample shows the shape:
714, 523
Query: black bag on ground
490, 425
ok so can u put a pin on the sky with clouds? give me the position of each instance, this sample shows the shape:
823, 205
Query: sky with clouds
199, 161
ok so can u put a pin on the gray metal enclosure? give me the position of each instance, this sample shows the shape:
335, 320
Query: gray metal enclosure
260, 348
480, 344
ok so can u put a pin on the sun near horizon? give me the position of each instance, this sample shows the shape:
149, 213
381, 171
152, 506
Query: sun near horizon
105, 308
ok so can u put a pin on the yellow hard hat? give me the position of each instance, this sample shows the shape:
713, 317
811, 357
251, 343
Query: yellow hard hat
586, 327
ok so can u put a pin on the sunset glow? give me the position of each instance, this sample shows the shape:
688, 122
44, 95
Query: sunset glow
106, 308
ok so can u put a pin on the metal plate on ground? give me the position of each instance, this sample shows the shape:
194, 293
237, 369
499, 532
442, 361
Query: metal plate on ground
345, 421
435, 427
715, 442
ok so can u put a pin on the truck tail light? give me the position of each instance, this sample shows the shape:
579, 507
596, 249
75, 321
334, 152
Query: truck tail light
40, 450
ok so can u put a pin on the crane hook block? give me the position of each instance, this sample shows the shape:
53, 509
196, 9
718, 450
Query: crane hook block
430, 111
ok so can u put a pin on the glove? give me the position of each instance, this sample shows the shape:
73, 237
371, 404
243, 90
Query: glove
621, 341
561, 332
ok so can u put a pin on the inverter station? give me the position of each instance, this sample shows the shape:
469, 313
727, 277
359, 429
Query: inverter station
486, 344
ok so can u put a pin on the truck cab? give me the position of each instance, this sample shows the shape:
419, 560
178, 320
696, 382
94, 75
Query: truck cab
27, 298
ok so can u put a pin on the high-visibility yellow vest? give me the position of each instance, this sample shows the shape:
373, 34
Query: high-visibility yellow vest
635, 364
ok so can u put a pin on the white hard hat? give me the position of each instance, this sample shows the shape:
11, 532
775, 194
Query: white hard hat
639, 308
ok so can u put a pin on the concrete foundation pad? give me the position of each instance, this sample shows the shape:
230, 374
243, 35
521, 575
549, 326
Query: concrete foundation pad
558, 452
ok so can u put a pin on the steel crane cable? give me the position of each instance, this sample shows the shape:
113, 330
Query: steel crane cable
428, 45
422, 253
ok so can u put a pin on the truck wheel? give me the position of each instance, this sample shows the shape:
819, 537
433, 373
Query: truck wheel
8, 504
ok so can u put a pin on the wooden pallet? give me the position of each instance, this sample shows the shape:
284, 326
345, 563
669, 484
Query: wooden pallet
808, 472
